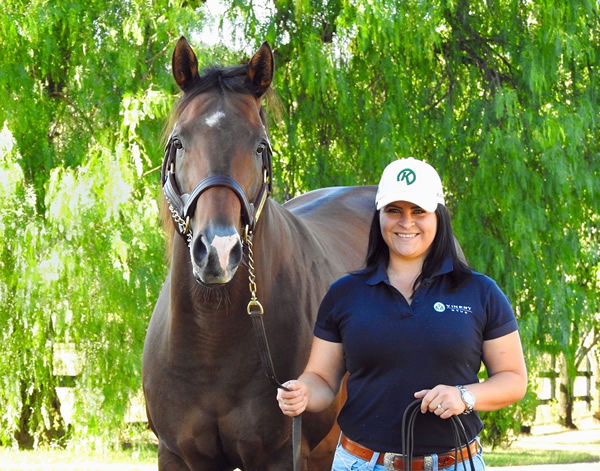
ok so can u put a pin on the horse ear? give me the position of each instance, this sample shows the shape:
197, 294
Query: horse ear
260, 69
185, 65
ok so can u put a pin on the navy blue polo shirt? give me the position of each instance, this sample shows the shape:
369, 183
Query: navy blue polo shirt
393, 349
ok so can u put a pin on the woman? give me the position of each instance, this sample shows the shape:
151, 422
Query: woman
415, 323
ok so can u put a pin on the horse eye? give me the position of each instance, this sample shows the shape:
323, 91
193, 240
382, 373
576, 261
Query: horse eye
260, 149
177, 143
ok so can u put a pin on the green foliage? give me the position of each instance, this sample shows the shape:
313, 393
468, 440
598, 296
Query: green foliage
109, 251
503, 425
500, 96
25, 329
87, 92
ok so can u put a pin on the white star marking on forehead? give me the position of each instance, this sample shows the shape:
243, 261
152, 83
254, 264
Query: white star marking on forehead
214, 118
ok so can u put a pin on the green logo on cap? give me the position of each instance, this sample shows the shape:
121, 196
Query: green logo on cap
407, 176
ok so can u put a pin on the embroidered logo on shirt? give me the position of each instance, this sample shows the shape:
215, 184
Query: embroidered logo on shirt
441, 307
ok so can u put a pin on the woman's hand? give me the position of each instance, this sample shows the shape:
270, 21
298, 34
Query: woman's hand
294, 401
444, 401
316, 388
505, 384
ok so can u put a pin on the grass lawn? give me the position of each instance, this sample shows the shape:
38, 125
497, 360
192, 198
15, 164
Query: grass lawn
144, 459
520, 457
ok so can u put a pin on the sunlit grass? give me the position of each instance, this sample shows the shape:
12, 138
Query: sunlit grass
519, 457
144, 458
136, 459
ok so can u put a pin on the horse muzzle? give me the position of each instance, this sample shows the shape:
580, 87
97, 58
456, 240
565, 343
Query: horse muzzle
216, 255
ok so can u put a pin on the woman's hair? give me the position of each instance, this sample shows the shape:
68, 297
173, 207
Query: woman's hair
443, 245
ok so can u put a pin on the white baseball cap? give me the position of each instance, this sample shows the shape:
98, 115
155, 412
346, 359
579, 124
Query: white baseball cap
410, 180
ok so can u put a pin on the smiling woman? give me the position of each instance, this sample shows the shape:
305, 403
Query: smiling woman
408, 230
416, 322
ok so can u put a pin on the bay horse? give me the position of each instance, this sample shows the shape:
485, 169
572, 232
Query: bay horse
207, 397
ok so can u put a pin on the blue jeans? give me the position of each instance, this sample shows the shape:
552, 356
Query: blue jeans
344, 461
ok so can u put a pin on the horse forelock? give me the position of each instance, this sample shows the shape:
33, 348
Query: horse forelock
214, 79
221, 80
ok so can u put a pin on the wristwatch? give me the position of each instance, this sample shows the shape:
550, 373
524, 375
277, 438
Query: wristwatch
468, 398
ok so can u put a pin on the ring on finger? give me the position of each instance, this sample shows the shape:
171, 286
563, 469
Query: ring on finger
439, 406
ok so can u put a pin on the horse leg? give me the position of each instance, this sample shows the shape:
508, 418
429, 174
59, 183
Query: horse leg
169, 461
279, 460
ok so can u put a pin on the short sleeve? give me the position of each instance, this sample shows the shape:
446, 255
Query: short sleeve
500, 316
326, 327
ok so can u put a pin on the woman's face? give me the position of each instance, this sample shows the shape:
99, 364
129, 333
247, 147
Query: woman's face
407, 229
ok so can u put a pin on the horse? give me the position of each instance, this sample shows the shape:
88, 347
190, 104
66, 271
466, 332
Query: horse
208, 400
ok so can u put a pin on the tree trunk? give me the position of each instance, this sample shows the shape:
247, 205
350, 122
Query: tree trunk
596, 392
56, 433
565, 396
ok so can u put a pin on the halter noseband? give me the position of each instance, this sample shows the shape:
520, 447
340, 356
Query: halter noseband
182, 205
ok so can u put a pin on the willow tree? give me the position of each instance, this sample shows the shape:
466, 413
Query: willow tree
501, 96
86, 90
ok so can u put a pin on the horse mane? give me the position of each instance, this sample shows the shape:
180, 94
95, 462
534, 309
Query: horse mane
232, 79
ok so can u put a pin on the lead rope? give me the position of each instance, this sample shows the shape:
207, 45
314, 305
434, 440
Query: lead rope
408, 441
256, 311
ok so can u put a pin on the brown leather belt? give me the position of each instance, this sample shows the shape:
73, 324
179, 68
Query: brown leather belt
418, 463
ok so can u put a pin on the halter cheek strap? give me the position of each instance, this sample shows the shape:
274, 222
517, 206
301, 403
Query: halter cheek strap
182, 205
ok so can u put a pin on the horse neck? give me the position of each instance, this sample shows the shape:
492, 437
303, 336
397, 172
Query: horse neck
275, 237
285, 246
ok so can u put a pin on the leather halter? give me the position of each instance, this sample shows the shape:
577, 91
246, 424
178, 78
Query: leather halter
182, 205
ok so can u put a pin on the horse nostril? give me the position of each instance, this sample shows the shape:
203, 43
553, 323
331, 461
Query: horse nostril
235, 256
199, 250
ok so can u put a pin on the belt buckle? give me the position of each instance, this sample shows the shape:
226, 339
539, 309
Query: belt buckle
388, 461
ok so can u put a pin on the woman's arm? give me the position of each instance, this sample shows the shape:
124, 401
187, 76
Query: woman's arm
317, 386
506, 383
507, 373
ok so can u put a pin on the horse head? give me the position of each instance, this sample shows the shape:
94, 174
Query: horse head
216, 174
